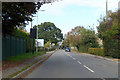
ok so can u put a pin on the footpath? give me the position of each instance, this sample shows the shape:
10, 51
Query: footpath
14, 69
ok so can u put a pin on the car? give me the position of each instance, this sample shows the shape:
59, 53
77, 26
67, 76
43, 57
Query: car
67, 49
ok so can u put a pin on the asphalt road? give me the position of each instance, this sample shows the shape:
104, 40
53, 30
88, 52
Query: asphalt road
73, 65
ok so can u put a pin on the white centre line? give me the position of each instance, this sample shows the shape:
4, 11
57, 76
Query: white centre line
71, 56
74, 59
79, 62
88, 68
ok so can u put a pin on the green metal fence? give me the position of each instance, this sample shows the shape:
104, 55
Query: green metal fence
12, 46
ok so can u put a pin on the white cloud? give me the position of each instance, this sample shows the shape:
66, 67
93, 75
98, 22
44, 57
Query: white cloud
57, 7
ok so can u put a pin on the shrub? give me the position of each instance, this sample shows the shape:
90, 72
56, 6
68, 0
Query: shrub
96, 51
19, 33
83, 49
29, 41
30, 44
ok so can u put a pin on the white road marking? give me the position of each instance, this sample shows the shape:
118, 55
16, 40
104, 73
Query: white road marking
71, 56
74, 59
88, 68
79, 62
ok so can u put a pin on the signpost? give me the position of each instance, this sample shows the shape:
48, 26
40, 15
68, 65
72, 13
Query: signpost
39, 43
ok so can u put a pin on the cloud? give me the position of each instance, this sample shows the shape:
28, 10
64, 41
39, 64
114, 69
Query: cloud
57, 7
53, 9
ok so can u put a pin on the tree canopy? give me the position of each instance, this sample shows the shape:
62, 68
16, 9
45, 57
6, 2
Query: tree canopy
49, 32
81, 38
109, 32
15, 14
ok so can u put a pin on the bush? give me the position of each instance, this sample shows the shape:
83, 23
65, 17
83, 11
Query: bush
19, 33
30, 44
83, 49
112, 48
29, 41
96, 51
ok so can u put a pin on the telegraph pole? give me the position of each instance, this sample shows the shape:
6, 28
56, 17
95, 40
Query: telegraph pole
106, 10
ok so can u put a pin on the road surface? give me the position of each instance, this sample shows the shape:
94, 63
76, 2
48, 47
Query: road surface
73, 65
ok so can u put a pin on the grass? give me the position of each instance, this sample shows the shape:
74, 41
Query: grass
25, 68
24, 56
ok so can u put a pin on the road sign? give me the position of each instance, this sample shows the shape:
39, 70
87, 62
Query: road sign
39, 42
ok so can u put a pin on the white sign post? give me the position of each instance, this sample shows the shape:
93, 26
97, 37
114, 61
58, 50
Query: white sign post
39, 42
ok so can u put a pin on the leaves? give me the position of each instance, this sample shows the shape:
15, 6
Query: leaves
14, 14
109, 32
81, 38
49, 32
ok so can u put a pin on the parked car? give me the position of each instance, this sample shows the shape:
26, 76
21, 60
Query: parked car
67, 49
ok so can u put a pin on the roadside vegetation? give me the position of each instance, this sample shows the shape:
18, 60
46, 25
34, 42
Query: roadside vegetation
24, 56
49, 32
109, 32
51, 35
81, 38
22, 34
15, 17
87, 41
96, 51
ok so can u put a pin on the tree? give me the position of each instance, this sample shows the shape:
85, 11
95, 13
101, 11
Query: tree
82, 38
48, 45
15, 14
49, 32
109, 32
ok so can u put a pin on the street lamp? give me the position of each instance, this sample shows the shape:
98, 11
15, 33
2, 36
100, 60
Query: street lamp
37, 30
37, 22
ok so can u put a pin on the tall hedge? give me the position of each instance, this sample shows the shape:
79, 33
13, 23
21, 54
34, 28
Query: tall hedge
22, 34
96, 51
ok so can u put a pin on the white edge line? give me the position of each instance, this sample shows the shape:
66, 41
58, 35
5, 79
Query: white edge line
88, 68
79, 62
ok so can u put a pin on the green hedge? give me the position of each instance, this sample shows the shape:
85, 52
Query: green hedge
22, 34
83, 49
112, 48
19, 33
96, 51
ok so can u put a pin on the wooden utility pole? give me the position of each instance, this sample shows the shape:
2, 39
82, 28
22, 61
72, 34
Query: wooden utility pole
106, 10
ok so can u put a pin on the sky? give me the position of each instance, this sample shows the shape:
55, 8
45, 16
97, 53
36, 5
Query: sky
67, 14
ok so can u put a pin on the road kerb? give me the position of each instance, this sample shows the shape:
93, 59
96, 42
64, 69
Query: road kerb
23, 72
101, 57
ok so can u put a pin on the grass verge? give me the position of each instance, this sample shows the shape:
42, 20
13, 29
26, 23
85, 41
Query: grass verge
25, 68
24, 56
